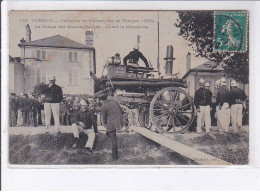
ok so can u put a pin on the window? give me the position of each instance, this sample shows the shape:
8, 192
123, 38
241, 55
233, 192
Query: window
73, 56
70, 77
73, 77
41, 55
38, 75
44, 76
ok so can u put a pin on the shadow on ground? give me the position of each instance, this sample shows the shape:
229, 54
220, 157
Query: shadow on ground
56, 149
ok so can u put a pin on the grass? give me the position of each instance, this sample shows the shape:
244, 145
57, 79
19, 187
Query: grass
56, 149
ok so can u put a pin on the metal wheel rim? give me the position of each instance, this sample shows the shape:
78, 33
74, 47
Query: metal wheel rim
191, 104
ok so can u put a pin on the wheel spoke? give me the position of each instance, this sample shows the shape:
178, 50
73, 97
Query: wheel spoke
176, 97
163, 120
160, 115
161, 104
184, 118
178, 121
183, 106
185, 112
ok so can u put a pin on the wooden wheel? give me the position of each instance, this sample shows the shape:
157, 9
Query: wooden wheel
127, 117
172, 110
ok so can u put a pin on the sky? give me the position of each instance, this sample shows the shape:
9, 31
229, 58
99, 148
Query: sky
114, 32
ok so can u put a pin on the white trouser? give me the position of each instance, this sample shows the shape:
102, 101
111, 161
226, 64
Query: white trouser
76, 129
224, 117
204, 116
236, 115
217, 117
20, 118
43, 117
55, 109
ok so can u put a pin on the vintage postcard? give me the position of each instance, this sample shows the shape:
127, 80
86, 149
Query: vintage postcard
143, 88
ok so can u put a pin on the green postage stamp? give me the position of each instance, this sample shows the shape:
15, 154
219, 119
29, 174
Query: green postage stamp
230, 29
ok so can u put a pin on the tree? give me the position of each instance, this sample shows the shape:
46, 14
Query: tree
197, 27
39, 88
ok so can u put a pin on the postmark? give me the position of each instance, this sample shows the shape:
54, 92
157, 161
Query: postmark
230, 31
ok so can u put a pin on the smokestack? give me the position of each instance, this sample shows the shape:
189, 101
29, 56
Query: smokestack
89, 38
188, 61
169, 60
28, 33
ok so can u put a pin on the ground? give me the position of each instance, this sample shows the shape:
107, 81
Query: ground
33, 146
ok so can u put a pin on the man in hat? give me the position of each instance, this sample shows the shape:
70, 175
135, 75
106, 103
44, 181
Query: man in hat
222, 102
202, 101
53, 96
216, 85
20, 114
33, 105
84, 122
25, 110
112, 116
134, 56
13, 108
237, 97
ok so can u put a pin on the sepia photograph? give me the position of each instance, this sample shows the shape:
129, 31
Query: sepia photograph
124, 88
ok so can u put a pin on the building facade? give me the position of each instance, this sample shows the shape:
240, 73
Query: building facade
16, 76
69, 61
210, 73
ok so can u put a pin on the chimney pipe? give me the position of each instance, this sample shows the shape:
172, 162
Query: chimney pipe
188, 61
169, 60
28, 33
89, 38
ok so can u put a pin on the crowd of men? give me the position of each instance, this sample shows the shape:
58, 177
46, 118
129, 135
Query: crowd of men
229, 105
82, 115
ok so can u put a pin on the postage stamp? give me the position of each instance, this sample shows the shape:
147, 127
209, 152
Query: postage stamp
230, 31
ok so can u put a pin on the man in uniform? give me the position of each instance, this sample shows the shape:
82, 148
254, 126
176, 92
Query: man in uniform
202, 101
84, 122
134, 56
13, 108
222, 102
216, 111
25, 110
237, 97
20, 107
53, 97
112, 116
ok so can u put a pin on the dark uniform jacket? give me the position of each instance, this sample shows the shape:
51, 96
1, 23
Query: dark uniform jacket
13, 106
134, 56
222, 96
33, 105
87, 118
237, 96
25, 104
202, 97
112, 115
53, 94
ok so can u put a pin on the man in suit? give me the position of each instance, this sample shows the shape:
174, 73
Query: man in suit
222, 102
202, 102
237, 97
112, 116
85, 122
53, 97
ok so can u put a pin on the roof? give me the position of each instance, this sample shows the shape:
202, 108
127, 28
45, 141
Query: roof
209, 66
57, 41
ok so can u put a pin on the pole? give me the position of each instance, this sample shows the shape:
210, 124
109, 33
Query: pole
158, 38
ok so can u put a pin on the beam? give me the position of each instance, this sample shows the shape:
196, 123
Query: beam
189, 152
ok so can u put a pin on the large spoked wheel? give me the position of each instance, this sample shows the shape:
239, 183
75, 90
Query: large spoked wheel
127, 117
172, 110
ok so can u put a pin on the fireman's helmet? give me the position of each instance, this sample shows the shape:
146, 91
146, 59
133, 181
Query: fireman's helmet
233, 83
207, 84
223, 81
136, 47
202, 81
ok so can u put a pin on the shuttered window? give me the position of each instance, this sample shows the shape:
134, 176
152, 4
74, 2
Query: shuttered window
38, 76
38, 54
